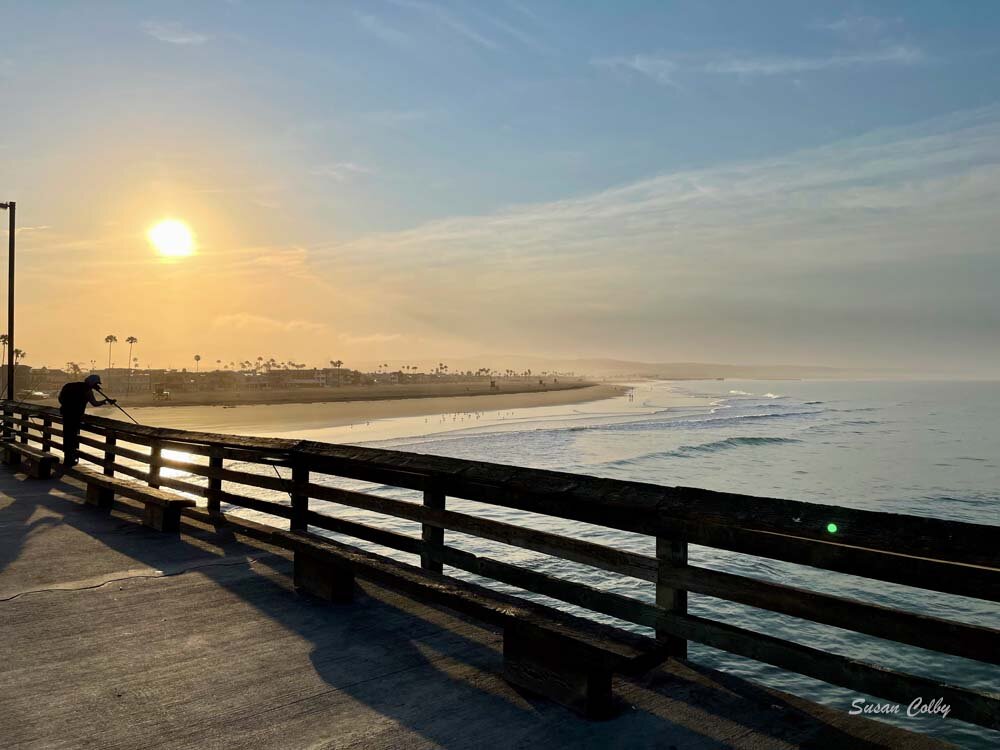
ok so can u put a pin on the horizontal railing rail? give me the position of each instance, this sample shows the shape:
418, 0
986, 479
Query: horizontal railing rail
952, 557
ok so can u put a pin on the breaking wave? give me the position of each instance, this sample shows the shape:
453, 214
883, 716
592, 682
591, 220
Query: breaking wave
690, 451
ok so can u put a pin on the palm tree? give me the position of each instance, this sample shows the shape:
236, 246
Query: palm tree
131, 341
337, 364
3, 342
19, 354
197, 359
110, 339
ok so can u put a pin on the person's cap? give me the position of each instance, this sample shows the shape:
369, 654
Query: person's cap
92, 380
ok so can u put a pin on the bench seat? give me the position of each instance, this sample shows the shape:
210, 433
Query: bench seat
162, 509
34, 462
545, 651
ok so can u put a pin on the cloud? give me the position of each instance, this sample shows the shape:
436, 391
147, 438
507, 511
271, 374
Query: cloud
395, 117
790, 251
448, 20
660, 69
262, 324
857, 26
665, 70
343, 171
372, 338
381, 30
173, 32
770, 66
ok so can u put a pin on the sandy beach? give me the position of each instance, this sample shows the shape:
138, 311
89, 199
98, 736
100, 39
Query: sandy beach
269, 419
378, 392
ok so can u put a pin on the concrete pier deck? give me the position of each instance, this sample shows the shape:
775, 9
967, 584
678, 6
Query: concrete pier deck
117, 636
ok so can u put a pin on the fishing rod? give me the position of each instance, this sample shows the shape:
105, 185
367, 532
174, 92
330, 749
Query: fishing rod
114, 402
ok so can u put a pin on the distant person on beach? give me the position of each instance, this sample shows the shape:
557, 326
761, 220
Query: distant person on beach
73, 400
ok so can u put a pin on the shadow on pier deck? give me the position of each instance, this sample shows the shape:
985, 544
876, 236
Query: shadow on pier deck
118, 636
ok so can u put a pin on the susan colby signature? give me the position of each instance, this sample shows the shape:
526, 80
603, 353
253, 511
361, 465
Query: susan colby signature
917, 707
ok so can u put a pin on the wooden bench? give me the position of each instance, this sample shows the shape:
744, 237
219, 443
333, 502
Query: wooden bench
551, 653
34, 462
162, 509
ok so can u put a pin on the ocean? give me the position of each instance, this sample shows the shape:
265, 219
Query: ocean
920, 448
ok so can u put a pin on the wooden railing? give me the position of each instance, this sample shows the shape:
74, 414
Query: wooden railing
930, 554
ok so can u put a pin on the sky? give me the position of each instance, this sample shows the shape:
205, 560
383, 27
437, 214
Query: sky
774, 182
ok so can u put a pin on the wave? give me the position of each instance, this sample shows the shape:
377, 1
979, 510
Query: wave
973, 498
733, 442
690, 451
739, 393
707, 421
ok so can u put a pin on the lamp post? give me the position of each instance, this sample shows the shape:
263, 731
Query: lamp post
10, 206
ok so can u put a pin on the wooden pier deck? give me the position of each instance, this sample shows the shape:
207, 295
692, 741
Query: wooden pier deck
118, 636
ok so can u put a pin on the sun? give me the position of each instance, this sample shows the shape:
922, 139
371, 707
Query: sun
172, 238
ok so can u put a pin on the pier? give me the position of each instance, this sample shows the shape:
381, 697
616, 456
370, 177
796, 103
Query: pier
138, 612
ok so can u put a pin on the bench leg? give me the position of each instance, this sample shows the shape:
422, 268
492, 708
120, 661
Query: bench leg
323, 579
99, 496
37, 469
162, 518
544, 664
11, 457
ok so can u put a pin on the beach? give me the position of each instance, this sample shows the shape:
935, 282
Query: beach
284, 418
317, 395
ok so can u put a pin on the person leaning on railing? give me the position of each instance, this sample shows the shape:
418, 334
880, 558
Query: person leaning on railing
73, 400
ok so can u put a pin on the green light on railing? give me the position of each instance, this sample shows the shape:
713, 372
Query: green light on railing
832, 528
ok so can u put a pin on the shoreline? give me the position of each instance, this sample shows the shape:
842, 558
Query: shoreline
282, 417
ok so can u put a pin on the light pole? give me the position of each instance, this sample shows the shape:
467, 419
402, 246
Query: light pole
10, 206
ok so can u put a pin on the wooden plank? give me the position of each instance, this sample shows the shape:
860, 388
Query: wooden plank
945, 636
155, 454
179, 484
921, 573
366, 473
229, 475
606, 602
300, 496
130, 489
263, 506
587, 553
214, 483
252, 529
109, 453
134, 455
390, 539
92, 442
977, 707
671, 555
433, 536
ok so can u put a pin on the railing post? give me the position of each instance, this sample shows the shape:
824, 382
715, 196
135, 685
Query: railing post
670, 555
300, 495
214, 484
24, 427
7, 415
47, 434
433, 536
154, 466
110, 439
